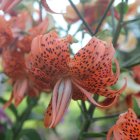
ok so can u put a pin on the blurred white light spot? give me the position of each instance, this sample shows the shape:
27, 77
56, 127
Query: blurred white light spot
1, 13
36, 5
60, 5
118, 1
36, 16
7, 17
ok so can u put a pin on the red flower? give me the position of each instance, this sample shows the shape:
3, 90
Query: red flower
126, 128
89, 72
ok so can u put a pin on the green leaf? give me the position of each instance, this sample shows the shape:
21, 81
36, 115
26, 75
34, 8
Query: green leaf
124, 5
2, 136
94, 135
136, 107
135, 60
9, 134
29, 134
11, 107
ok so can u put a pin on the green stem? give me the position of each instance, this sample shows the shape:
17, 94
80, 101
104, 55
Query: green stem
135, 60
94, 135
113, 20
82, 18
23, 117
130, 21
103, 17
40, 11
87, 122
119, 26
104, 117
91, 111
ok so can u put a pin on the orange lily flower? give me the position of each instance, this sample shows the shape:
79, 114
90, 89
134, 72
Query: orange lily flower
13, 61
14, 67
126, 128
90, 71
8, 5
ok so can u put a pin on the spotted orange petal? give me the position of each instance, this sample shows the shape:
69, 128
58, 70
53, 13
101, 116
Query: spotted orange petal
48, 115
86, 61
127, 127
94, 73
13, 67
50, 54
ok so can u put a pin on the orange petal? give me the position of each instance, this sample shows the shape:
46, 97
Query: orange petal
111, 93
77, 94
110, 102
41, 28
127, 127
52, 52
105, 66
22, 44
48, 115
19, 90
60, 101
110, 133
64, 98
13, 67
86, 61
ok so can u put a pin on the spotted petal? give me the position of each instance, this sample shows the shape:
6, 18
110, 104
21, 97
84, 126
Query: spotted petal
127, 127
13, 67
50, 54
86, 61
